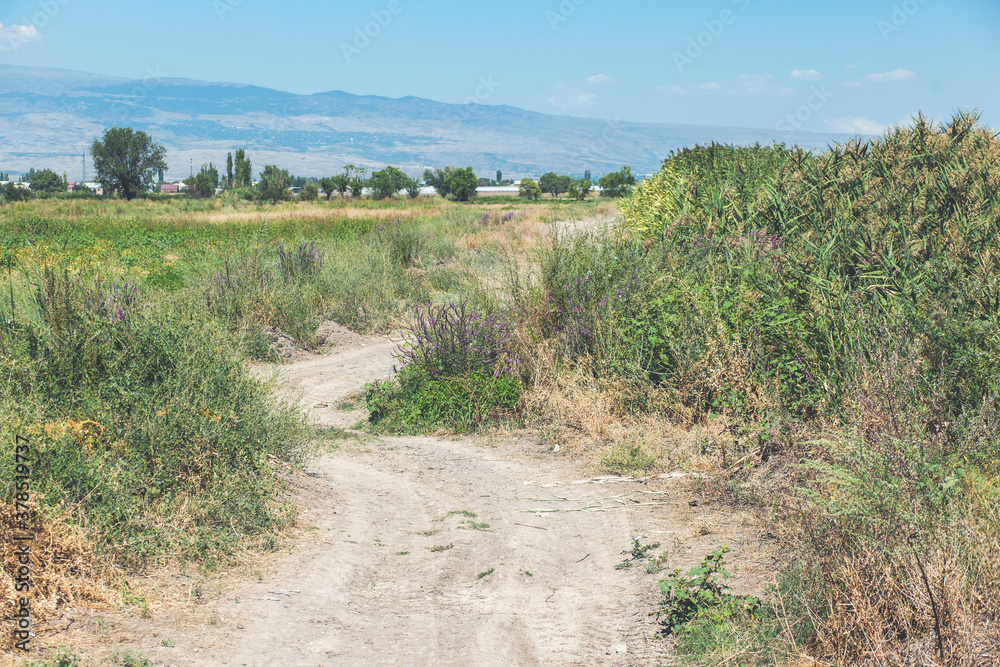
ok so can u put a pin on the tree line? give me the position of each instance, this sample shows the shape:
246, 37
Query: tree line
127, 162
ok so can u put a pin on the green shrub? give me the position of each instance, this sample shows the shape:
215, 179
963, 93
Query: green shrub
417, 403
699, 597
153, 428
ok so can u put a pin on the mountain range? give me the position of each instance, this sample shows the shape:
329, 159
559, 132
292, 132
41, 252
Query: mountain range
50, 117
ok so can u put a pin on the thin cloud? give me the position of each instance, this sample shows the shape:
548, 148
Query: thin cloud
744, 84
855, 125
599, 79
14, 36
894, 75
567, 98
806, 75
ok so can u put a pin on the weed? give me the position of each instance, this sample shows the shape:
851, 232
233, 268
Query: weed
628, 456
441, 547
474, 525
402, 553
64, 657
131, 659
636, 554
486, 573
700, 597
465, 513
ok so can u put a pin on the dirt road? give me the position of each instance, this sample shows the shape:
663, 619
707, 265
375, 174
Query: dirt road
431, 551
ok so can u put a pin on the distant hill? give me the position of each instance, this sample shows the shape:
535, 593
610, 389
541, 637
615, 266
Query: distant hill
49, 117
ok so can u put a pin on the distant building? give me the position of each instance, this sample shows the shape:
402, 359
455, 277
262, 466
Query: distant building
170, 187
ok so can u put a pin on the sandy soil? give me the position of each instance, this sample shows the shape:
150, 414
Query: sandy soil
436, 551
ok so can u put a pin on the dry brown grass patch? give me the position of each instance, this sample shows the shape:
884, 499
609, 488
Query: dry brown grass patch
63, 567
315, 214
602, 422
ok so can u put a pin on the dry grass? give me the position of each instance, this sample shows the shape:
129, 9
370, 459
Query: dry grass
63, 567
314, 213
936, 604
601, 421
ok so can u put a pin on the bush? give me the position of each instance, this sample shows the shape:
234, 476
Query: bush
13, 193
310, 192
457, 373
150, 419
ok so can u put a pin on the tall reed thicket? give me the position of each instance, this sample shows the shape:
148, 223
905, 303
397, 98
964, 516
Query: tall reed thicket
862, 285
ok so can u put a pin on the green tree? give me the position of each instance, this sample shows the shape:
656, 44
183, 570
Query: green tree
12, 192
554, 184
203, 183
529, 189
228, 183
355, 179
47, 181
618, 183
499, 176
274, 184
461, 184
243, 176
126, 161
438, 179
586, 176
310, 192
342, 184
387, 182
413, 188
328, 186
580, 189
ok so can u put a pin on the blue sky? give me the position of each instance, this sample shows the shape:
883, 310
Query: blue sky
853, 65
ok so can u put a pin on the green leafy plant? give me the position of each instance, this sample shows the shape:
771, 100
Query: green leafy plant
699, 596
636, 554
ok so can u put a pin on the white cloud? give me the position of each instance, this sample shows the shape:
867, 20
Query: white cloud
12, 37
855, 125
806, 75
894, 75
567, 98
744, 84
600, 78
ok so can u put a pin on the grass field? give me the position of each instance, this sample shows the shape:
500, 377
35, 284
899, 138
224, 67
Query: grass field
817, 332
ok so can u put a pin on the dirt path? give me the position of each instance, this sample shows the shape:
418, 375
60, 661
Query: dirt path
430, 551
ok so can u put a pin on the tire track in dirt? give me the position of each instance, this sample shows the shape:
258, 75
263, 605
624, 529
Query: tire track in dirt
365, 587
372, 592
369, 589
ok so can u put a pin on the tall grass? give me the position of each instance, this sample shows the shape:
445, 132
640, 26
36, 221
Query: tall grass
124, 334
859, 290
